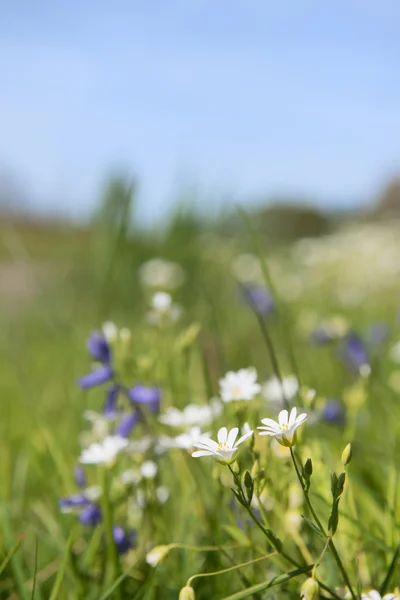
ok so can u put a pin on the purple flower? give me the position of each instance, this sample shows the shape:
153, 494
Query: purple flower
149, 396
91, 515
333, 412
127, 423
258, 297
110, 403
96, 377
79, 476
124, 541
99, 348
354, 351
73, 501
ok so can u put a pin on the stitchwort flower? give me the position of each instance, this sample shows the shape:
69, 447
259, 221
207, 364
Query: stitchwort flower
240, 385
284, 431
104, 452
226, 449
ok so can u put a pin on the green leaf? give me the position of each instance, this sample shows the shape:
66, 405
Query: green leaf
60, 574
312, 526
10, 554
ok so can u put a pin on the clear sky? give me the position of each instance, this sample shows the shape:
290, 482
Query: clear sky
243, 97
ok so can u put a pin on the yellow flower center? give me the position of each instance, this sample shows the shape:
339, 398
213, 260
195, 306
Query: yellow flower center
284, 427
222, 446
237, 391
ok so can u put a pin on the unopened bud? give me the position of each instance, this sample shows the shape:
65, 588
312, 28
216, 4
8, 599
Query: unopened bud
310, 590
308, 468
248, 482
255, 470
346, 455
156, 555
187, 593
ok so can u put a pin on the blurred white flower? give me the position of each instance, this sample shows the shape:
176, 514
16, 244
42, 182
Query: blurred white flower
113, 334
162, 274
162, 493
141, 446
190, 438
163, 310
104, 452
276, 392
192, 414
375, 595
149, 469
93, 492
130, 476
247, 268
226, 449
240, 385
283, 431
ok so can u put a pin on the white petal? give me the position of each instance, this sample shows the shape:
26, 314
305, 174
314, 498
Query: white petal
301, 418
270, 423
199, 453
232, 437
206, 444
283, 417
244, 437
292, 417
222, 434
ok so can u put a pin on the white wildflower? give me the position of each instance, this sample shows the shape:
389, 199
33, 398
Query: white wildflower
240, 385
156, 555
149, 469
276, 391
192, 414
226, 449
284, 431
104, 452
190, 438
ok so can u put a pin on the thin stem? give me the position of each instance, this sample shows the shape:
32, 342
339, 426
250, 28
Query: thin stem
318, 522
284, 555
112, 554
245, 564
318, 562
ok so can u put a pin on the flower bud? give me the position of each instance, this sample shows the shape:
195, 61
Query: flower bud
346, 455
187, 593
310, 590
156, 555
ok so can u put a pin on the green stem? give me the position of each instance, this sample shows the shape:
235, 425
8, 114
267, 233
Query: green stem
284, 555
245, 564
113, 567
321, 528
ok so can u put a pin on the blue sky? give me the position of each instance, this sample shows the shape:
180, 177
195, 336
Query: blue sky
241, 98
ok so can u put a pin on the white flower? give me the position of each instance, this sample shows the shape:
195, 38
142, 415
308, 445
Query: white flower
156, 555
162, 493
241, 385
192, 414
104, 452
149, 469
93, 492
163, 309
190, 438
276, 392
374, 595
226, 449
113, 334
130, 476
159, 273
285, 430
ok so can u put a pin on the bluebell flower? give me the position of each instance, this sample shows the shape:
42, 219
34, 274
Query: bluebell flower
91, 514
72, 502
110, 403
79, 476
333, 412
101, 352
99, 347
354, 351
127, 423
124, 541
147, 396
258, 297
